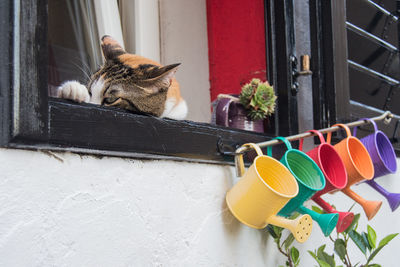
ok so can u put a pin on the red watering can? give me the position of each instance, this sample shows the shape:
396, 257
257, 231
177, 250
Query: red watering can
335, 174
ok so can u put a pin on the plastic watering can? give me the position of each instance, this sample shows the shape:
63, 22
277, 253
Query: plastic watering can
332, 166
263, 190
359, 167
384, 159
310, 179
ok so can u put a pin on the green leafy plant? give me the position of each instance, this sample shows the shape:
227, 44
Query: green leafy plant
258, 98
366, 241
285, 247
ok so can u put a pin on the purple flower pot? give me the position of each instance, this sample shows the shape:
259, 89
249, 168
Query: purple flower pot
231, 113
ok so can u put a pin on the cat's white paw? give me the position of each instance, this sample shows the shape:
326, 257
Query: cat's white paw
75, 91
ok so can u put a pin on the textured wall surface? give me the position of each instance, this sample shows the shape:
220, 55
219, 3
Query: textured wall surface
88, 211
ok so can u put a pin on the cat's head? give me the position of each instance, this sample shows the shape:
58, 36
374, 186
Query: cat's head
129, 81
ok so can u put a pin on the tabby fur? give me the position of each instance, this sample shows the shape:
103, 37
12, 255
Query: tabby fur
131, 82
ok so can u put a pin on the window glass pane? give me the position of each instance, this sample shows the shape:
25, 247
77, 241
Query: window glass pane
73, 42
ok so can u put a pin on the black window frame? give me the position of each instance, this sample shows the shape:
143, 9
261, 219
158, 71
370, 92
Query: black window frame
330, 80
30, 119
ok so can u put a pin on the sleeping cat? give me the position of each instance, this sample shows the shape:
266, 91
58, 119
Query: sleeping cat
130, 82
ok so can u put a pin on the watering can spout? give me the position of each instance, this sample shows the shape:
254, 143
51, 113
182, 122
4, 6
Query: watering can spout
392, 198
370, 207
327, 222
345, 218
300, 227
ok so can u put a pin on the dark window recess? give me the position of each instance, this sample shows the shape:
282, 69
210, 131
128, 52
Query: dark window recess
373, 47
355, 47
31, 119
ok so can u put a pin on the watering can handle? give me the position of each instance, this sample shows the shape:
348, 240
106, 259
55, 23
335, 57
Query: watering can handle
321, 138
222, 111
284, 140
345, 127
239, 162
366, 119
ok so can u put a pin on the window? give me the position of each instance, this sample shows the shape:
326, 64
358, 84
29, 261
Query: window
33, 119
355, 51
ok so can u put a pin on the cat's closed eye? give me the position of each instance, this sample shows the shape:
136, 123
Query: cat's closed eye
110, 100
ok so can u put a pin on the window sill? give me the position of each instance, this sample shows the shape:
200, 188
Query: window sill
90, 129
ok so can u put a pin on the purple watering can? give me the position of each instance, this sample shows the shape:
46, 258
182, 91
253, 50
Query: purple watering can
384, 159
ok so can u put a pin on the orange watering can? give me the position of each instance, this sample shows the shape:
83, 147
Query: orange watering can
263, 190
359, 167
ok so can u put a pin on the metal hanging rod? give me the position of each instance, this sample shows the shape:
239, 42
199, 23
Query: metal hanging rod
387, 116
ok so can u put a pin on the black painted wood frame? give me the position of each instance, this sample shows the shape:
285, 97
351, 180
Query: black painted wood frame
330, 80
30, 119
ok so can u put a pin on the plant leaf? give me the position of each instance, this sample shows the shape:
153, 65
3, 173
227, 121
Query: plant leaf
275, 231
373, 254
387, 239
382, 243
365, 237
340, 248
358, 240
312, 254
288, 241
322, 263
330, 259
371, 236
374, 265
320, 250
317, 209
294, 216
271, 231
353, 223
294, 254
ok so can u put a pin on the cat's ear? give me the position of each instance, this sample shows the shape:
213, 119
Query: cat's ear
111, 48
158, 78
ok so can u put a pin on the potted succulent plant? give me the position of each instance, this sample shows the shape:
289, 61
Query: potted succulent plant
249, 110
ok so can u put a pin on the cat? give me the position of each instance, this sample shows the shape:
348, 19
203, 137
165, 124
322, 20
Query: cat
130, 82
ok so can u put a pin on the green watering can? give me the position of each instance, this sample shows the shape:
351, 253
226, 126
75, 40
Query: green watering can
310, 180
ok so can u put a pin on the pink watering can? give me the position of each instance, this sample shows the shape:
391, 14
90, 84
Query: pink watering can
384, 159
359, 167
335, 174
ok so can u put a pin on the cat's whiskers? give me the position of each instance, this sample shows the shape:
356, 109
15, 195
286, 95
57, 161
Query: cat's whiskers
85, 69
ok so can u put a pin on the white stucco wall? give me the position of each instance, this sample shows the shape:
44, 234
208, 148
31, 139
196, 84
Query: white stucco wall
88, 211
109, 211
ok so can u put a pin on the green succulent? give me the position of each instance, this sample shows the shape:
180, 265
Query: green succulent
258, 98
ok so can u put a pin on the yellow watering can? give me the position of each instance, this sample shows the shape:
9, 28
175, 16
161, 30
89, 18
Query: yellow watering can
263, 191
